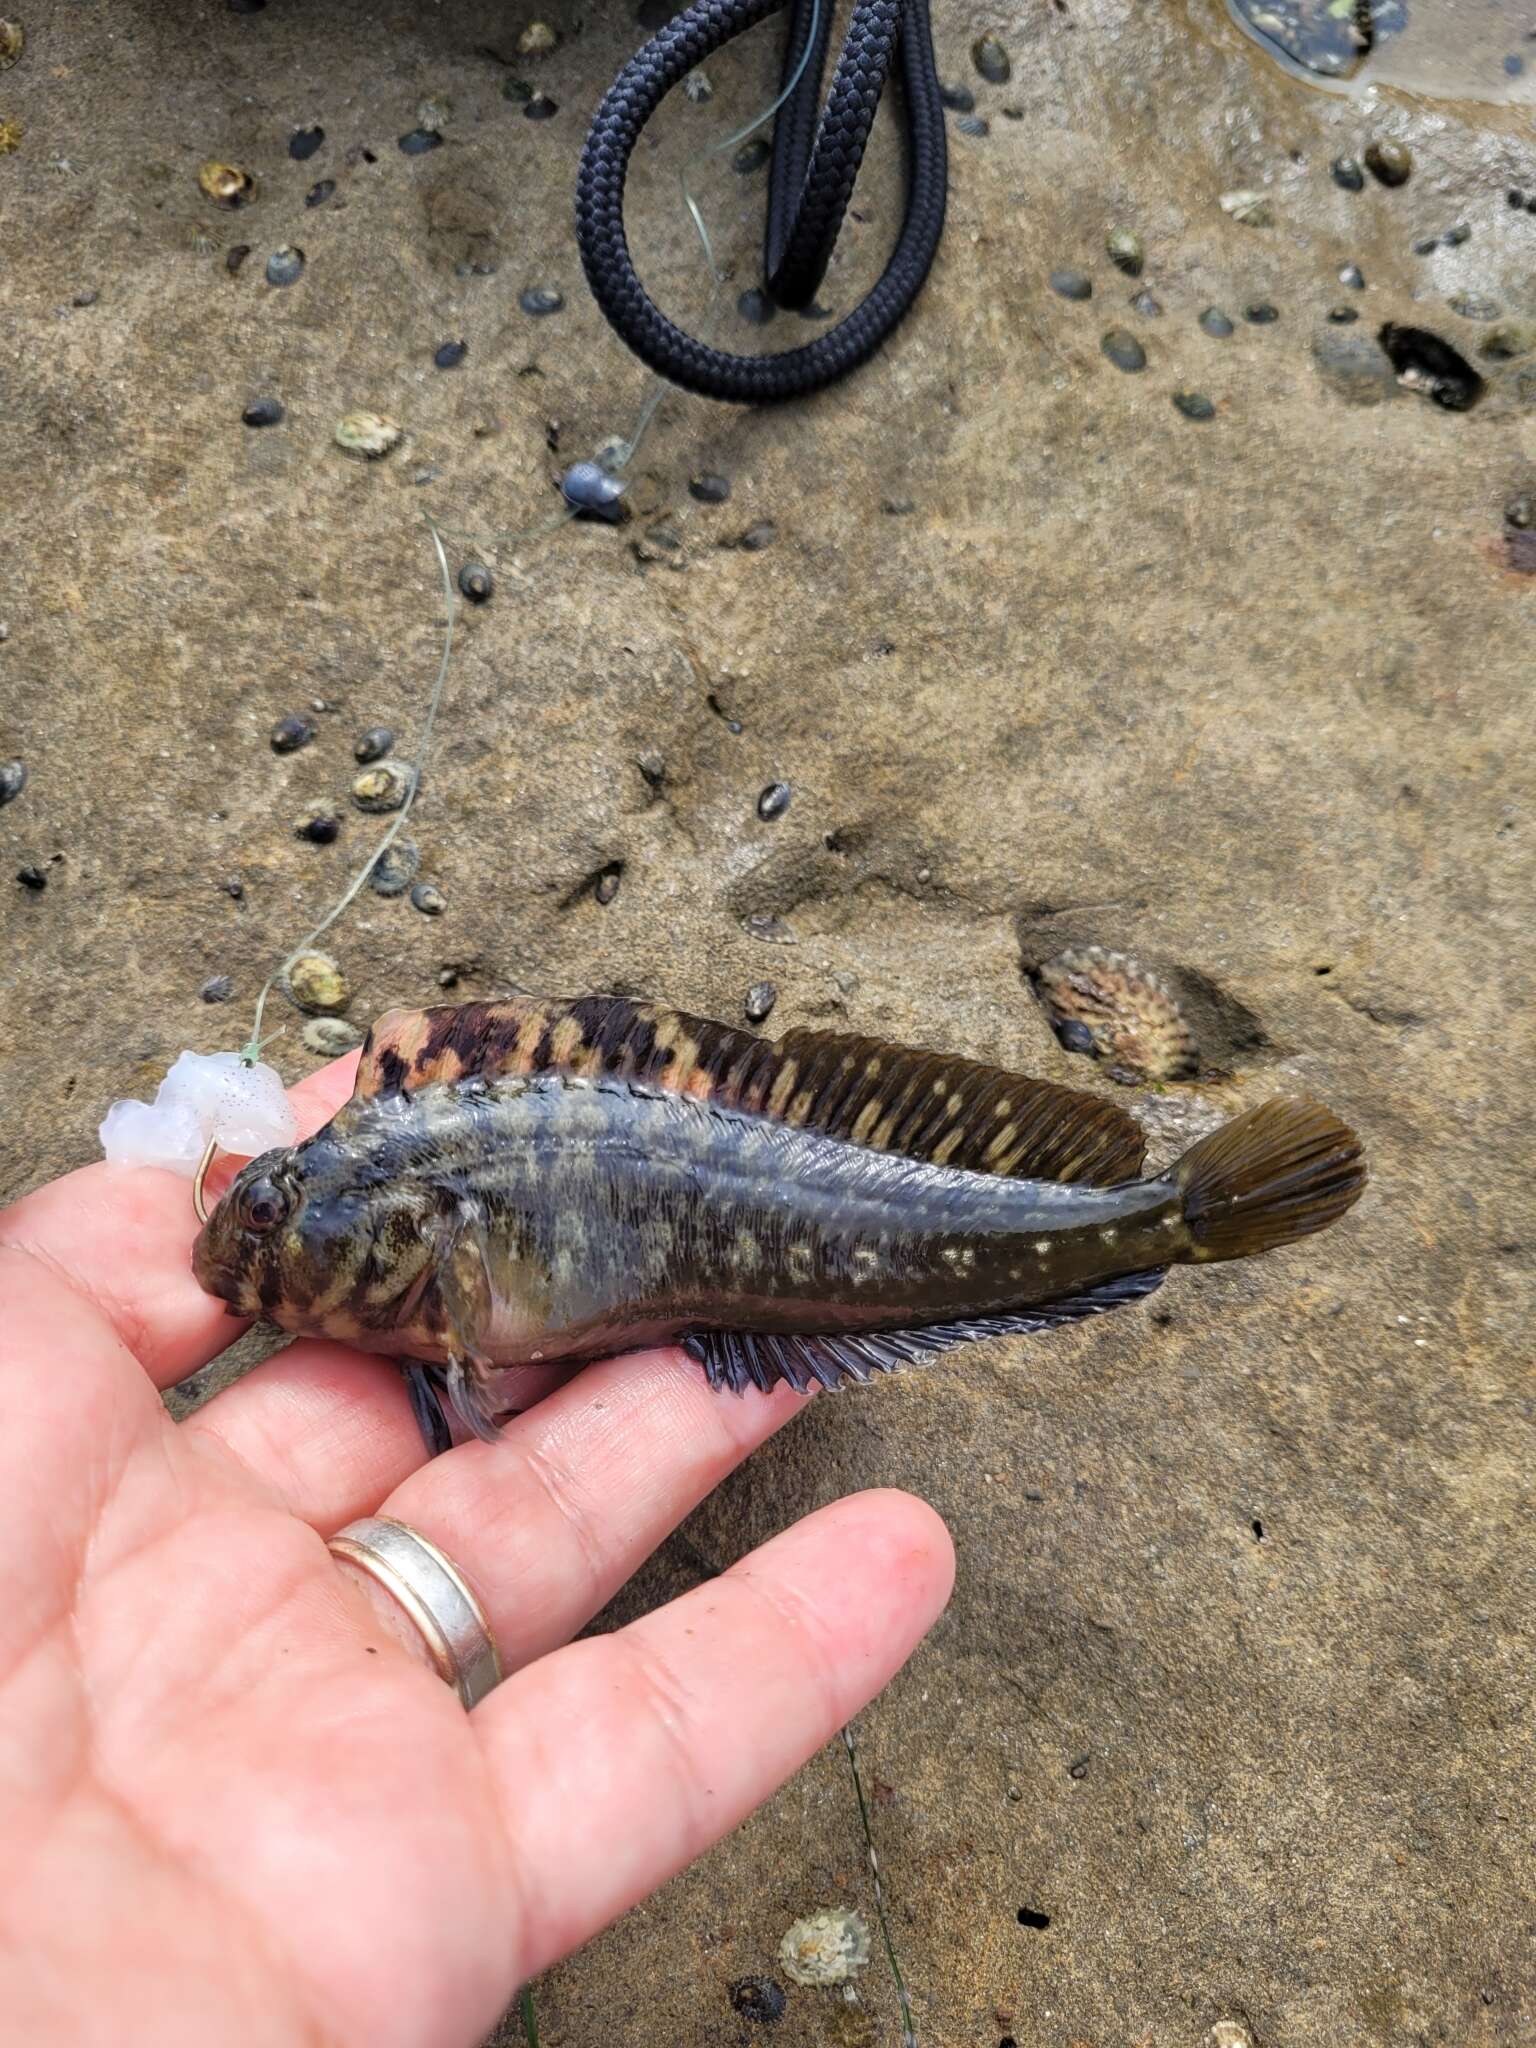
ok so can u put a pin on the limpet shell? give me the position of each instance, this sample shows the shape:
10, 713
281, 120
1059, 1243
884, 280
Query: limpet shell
1111, 1008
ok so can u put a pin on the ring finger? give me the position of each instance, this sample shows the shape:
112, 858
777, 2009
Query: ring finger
548, 1523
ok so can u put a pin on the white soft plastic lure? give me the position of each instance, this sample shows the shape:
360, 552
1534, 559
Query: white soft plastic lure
206, 1098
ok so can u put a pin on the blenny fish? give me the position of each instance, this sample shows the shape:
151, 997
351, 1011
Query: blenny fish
548, 1181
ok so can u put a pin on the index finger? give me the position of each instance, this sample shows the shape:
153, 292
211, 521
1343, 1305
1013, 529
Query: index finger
122, 1236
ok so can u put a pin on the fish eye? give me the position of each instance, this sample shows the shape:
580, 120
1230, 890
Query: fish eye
263, 1205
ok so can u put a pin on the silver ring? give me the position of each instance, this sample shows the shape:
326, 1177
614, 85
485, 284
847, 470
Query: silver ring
433, 1592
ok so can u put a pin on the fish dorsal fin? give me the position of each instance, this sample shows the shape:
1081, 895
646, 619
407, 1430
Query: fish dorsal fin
925, 1105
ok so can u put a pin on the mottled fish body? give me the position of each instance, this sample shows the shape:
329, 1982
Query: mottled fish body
538, 1182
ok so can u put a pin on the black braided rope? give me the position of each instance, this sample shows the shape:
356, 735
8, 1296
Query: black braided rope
810, 183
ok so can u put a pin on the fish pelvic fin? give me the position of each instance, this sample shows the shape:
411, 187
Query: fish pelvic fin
734, 1360
1278, 1173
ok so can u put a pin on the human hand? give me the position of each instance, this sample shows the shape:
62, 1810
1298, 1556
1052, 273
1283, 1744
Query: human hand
233, 1807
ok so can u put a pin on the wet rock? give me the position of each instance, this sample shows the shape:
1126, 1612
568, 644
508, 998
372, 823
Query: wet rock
396, 868
1194, 405
1261, 313
773, 801
449, 354
285, 267
369, 434
419, 141
1071, 284
827, 1947
1215, 323
607, 886
1347, 174
1248, 207
303, 143
217, 989
477, 583
13, 780
1389, 163
761, 997
708, 488
227, 184
540, 300
291, 733
1342, 316
329, 1037
1124, 248
263, 412
991, 60
1426, 363
1107, 1005
756, 307
383, 787
1353, 366
758, 1998
314, 982
428, 899
373, 744
1123, 349
958, 98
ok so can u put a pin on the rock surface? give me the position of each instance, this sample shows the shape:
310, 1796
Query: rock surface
1236, 1687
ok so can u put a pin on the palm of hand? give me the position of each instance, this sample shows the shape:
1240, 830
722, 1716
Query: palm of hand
232, 1805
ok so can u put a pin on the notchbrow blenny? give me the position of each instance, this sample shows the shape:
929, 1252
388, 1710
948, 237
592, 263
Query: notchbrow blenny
552, 1181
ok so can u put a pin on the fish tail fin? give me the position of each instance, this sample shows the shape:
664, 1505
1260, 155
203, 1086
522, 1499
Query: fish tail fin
1267, 1178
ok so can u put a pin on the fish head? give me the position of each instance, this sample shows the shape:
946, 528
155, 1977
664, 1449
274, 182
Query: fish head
311, 1239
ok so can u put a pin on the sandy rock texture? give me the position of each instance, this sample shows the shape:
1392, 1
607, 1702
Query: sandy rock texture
1234, 1699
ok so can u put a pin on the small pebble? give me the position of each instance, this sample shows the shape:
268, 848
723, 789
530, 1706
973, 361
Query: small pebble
593, 494
1426, 245
1261, 313
263, 412
235, 256
233, 888
314, 982
773, 801
1124, 249
319, 826
1521, 512
991, 60
968, 124
653, 768
285, 267
433, 114
1342, 316
291, 733
85, 298
540, 108
428, 899
708, 488
1251, 208
370, 434
958, 98
1071, 284
1347, 173
1123, 349
303, 143
382, 788
373, 744
761, 535
1215, 323
1147, 306
1194, 405
1389, 163
608, 885
1353, 367
1229, 2034
1473, 306
759, 1998
751, 157
13, 780
539, 300
318, 194
476, 582
761, 997
1353, 276
1455, 235
329, 1037
227, 184
538, 39
218, 989
756, 306
32, 878
450, 354
419, 141
396, 868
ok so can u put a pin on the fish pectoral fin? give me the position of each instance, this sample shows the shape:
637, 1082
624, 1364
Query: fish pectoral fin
737, 1359
466, 1301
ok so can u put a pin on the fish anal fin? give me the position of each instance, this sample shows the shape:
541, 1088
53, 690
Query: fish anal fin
734, 1360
